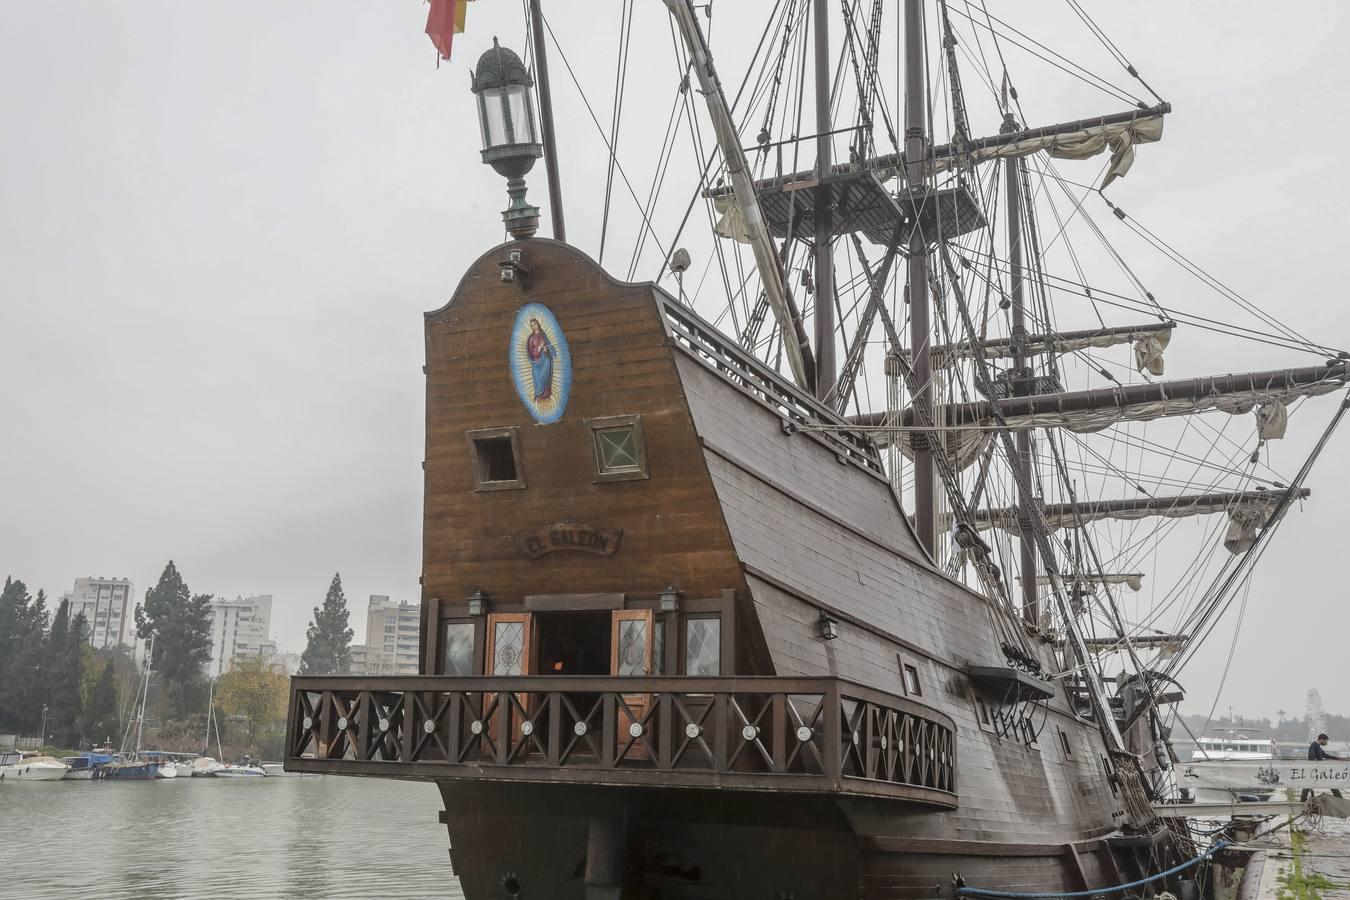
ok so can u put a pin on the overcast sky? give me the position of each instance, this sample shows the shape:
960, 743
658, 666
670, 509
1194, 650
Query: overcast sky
220, 224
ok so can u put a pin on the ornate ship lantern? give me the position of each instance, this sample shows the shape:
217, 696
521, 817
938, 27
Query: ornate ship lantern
504, 88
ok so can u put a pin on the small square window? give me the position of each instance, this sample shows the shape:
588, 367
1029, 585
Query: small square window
495, 457
912, 681
620, 451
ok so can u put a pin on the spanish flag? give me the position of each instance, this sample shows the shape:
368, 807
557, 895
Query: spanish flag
444, 21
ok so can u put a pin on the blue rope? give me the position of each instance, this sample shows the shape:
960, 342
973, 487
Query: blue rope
1011, 895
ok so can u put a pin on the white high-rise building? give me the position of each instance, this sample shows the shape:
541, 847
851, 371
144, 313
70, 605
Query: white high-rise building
392, 638
240, 629
109, 606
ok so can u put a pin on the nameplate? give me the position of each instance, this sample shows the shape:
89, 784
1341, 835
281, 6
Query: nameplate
568, 536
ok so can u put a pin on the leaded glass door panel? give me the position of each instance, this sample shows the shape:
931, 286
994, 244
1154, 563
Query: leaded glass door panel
510, 651
631, 644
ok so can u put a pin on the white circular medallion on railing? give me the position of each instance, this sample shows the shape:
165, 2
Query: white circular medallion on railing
308, 723
476, 726
579, 729
384, 724
883, 742
342, 723
804, 734
692, 731
750, 732
428, 726
635, 729
527, 728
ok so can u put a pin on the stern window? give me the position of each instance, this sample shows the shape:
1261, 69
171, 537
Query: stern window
702, 647
457, 639
912, 681
496, 459
620, 451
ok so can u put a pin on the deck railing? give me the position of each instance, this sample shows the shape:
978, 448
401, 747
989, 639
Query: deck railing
802, 734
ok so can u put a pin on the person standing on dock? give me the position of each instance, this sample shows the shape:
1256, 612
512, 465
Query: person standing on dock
1317, 751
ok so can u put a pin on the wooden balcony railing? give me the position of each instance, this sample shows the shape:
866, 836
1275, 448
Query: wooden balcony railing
776, 734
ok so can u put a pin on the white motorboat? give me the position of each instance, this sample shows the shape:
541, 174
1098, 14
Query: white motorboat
30, 766
204, 766
166, 770
240, 772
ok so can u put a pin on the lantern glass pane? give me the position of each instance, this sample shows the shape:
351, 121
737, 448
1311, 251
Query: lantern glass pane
494, 102
521, 127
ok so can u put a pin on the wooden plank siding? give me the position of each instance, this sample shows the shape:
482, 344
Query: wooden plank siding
813, 533
622, 364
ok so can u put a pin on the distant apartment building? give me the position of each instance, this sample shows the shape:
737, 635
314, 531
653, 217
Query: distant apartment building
392, 638
109, 606
240, 629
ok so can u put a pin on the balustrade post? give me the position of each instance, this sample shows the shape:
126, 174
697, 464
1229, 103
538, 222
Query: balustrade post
292, 730
665, 725
364, 730
834, 735
721, 739
608, 729
454, 711
504, 735
328, 710
779, 722
409, 735
555, 728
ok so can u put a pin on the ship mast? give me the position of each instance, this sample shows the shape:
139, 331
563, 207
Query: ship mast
916, 148
824, 213
1022, 380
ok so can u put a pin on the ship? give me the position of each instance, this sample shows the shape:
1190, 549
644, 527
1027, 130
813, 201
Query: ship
706, 613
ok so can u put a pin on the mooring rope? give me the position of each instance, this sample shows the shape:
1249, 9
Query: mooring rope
1013, 895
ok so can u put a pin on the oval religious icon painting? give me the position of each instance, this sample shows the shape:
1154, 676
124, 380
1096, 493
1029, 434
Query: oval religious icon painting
541, 365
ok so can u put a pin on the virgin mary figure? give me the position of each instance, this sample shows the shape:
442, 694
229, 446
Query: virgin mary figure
540, 351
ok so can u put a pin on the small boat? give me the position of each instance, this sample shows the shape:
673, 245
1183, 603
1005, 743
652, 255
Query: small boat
204, 766
86, 766
30, 766
240, 772
277, 770
168, 766
131, 770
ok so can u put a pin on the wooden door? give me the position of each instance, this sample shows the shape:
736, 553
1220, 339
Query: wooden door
510, 652
631, 636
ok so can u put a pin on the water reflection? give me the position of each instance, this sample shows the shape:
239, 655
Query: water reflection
250, 838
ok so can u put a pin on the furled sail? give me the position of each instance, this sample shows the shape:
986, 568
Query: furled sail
1248, 512
1092, 410
1149, 342
1084, 143
1133, 580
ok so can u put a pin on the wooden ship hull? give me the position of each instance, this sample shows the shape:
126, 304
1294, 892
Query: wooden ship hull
679, 639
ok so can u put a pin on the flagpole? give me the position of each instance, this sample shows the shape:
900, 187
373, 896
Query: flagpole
546, 123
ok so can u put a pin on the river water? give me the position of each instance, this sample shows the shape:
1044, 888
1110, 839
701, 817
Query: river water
254, 838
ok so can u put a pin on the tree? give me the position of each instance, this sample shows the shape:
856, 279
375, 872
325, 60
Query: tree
255, 692
181, 625
102, 722
63, 671
328, 650
23, 638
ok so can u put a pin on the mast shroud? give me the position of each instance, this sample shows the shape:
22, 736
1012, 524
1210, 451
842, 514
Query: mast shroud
798, 351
